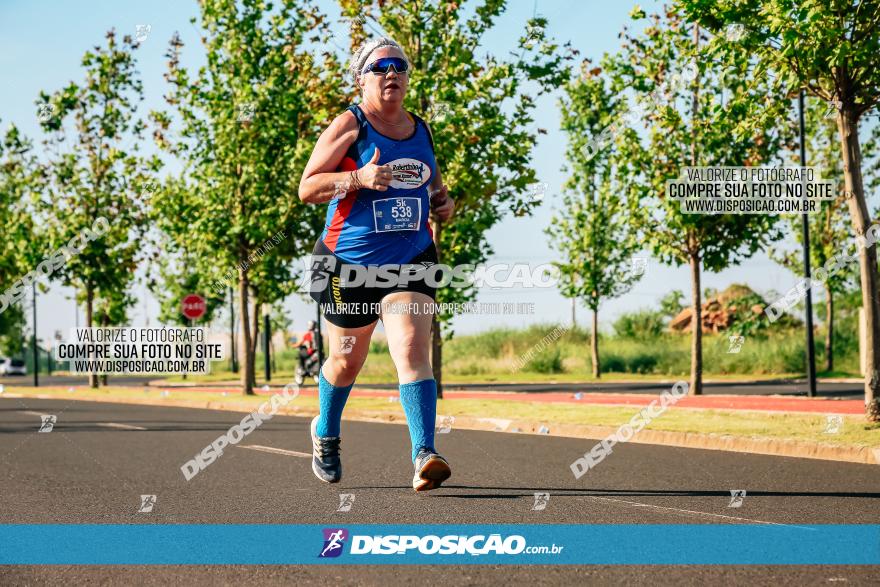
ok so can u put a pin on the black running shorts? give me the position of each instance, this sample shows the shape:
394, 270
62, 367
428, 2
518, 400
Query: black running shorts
354, 306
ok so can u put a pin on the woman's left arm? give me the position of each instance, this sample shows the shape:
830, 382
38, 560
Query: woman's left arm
441, 204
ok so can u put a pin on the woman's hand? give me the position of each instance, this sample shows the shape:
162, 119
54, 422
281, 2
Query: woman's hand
373, 176
441, 204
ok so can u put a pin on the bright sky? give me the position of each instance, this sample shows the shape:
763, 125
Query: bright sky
41, 44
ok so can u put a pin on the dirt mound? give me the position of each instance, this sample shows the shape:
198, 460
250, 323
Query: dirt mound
722, 310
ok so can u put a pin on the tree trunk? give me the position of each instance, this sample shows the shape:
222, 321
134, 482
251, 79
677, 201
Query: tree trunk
594, 345
696, 387
232, 355
90, 300
105, 321
436, 339
847, 125
245, 347
255, 338
829, 325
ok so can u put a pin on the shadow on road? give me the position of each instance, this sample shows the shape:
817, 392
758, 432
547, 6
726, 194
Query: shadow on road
151, 426
569, 492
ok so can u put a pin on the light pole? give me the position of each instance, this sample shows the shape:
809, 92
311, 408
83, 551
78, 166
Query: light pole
232, 330
36, 353
54, 345
811, 350
267, 337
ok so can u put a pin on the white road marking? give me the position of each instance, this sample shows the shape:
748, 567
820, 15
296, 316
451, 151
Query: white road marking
105, 424
279, 451
499, 423
694, 512
120, 426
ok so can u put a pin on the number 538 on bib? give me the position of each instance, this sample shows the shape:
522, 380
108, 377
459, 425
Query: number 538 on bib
397, 214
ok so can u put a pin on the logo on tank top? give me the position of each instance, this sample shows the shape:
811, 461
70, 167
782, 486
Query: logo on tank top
408, 173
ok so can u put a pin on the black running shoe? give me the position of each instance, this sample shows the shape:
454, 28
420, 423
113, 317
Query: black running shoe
431, 470
325, 456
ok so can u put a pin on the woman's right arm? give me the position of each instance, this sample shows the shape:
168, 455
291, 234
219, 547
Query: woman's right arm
321, 181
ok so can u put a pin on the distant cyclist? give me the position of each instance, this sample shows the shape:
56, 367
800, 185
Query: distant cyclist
308, 347
375, 167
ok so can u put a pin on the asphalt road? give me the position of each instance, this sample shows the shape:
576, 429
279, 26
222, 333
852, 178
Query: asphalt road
100, 458
28, 380
778, 387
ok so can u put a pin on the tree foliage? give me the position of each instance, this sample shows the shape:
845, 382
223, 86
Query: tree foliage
830, 49
95, 171
693, 107
244, 125
594, 232
21, 178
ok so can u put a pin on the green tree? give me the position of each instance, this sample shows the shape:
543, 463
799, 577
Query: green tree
95, 167
479, 108
593, 233
672, 304
270, 279
693, 107
830, 49
872, 160
20, 181
248, 120
178, 266
12, 327
174, 277
828, 229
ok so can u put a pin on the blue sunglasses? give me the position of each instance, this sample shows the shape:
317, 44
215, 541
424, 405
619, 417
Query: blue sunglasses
382, 65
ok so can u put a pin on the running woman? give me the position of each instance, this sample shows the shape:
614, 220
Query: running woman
375, 167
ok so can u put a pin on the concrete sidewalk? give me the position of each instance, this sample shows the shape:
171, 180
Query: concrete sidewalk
786, 404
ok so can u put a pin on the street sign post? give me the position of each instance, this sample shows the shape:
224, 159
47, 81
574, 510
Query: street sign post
193, 306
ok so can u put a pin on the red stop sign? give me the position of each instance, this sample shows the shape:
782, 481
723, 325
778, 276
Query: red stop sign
193, 306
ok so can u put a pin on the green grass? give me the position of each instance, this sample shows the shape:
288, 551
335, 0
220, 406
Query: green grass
494, 357
802, 427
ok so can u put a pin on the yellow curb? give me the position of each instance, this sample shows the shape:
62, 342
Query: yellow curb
707, 441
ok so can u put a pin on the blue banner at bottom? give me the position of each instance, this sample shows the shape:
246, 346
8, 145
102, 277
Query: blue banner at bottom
565, 544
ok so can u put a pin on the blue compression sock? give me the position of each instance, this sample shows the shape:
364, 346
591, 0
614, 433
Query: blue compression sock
331, 400
419, 401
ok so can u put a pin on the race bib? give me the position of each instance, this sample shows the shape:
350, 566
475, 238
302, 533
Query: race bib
397, 214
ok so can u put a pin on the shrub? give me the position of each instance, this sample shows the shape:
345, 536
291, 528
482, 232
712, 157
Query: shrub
378, 346
643, 324
547, 361
642, 363
470, 368
613, 364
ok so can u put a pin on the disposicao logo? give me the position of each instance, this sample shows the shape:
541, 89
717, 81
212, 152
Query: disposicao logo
451, 544
334, 540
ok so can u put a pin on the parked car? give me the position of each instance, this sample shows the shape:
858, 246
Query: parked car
12, 367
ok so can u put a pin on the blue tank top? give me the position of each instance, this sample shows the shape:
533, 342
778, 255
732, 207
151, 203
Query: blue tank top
369, 227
